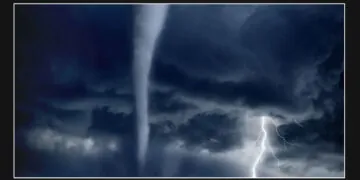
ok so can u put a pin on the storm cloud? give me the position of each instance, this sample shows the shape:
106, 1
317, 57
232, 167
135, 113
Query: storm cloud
216, 70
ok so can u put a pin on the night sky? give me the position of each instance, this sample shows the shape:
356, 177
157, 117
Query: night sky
217, 69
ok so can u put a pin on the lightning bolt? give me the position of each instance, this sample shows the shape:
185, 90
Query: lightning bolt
263, 147
266, 145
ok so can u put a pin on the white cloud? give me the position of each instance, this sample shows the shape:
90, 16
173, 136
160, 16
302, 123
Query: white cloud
45, 139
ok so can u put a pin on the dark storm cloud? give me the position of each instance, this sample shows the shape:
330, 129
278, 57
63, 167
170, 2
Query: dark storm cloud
216, 132
284, 63
195, 46
249, 92
41, 114
108, 122
213, 131
329, 130
88, 99
280, 57
70, 45
164, 102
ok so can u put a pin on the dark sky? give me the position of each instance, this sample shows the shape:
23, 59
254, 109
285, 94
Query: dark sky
216, 70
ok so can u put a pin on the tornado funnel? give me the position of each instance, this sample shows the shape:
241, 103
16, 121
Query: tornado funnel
149, 21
